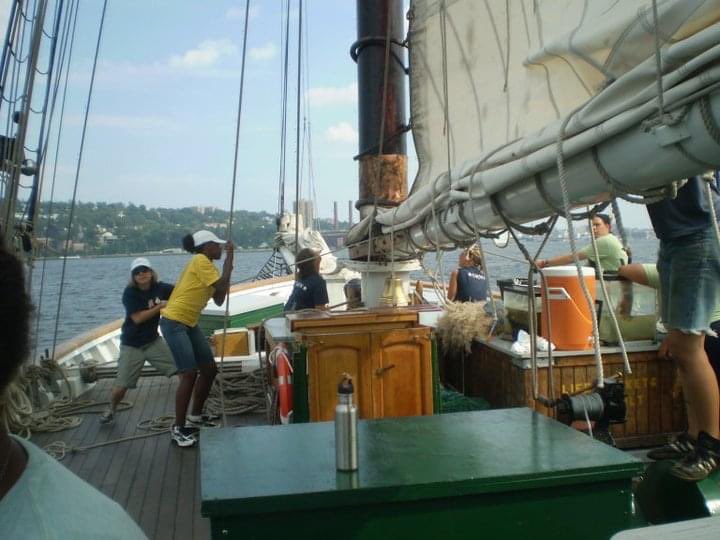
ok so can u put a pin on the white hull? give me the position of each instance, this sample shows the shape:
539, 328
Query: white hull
101, 345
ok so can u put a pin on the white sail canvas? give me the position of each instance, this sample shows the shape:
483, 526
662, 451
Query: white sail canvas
492, 81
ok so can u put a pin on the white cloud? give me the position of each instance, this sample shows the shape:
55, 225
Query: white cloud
208, 53
333, 95
342, 132
266, 52
237, 13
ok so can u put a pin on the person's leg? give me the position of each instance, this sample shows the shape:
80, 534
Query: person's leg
206, 366
130, 362
203, 386
178, 341
159, 355
116, 395
700, 390
182, 396
693, 295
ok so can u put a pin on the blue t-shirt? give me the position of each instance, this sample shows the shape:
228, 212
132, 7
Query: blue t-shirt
48, 501
134, 300
686, 214
471, 285
308, 293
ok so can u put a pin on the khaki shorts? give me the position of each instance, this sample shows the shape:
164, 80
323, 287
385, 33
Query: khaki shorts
132, 359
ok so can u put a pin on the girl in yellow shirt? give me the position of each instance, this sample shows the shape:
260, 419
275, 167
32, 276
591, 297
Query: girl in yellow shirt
198, 282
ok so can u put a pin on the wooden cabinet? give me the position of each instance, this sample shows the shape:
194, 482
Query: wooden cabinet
391, 370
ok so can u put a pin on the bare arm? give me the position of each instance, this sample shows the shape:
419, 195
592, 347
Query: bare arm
634, 272
559, 260
222, 285
452, 286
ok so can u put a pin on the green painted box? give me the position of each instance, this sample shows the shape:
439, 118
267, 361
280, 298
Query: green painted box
509, 473
245, 310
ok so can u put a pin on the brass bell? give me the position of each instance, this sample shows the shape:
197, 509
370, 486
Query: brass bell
394, 293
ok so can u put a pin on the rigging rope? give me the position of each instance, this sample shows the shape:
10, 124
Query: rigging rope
608, 301
54, 176
532, 310
571, 233
232, 197
297, 129
658, 62
283, 106
77, 170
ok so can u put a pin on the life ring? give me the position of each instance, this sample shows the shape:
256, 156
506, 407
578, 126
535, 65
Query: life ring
284, 371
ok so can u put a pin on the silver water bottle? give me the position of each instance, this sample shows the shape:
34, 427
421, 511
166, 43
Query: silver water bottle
346, 434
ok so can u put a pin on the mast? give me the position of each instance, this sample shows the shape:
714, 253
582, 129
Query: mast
13, 166
382, 153
380, 57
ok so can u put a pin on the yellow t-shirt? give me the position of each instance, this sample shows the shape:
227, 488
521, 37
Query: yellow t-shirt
192, 291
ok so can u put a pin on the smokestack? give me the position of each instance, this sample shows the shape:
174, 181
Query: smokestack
350, 216
335, 215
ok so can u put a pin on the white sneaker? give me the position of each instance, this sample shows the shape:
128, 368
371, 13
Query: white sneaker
183, 436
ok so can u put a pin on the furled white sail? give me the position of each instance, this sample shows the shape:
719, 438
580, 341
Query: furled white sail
493, 81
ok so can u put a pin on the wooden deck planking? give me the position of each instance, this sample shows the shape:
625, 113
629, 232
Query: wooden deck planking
139, 485
112, 457
185, 510
154, 500
117, 469
156, 482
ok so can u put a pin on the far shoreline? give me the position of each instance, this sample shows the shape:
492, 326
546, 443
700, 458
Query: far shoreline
77, 256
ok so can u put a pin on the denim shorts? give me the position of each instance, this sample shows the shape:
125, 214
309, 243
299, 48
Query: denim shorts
689, 269
188, 345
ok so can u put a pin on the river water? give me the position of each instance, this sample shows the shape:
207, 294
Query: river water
92, 290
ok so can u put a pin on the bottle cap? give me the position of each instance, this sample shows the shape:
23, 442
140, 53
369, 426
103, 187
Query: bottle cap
346, 385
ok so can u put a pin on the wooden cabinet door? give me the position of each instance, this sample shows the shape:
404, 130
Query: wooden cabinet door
329, 356
402, 372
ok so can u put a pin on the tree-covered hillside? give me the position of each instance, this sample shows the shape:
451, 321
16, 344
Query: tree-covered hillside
108, 228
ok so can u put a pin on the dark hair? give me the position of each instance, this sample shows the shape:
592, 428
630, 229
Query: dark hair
305, 266
353, 285
15, 309
606, 219
188, 244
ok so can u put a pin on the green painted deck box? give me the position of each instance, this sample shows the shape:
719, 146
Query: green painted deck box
246, 310
510, 473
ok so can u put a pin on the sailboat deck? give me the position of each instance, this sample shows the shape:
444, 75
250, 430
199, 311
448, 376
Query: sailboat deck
156, 482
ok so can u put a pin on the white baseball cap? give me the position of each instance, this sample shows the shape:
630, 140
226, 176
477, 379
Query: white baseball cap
203, 237
140, 261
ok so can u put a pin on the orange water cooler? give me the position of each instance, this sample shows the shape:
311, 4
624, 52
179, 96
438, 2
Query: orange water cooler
569, 311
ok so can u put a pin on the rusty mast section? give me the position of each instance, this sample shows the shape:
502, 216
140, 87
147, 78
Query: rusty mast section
382, 156
383, 260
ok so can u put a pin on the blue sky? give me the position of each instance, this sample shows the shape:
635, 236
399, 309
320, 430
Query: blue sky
162, 123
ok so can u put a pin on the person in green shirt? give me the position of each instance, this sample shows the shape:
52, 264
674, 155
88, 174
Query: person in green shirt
612, 254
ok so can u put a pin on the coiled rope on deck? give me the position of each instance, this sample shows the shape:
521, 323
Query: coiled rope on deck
244, 392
